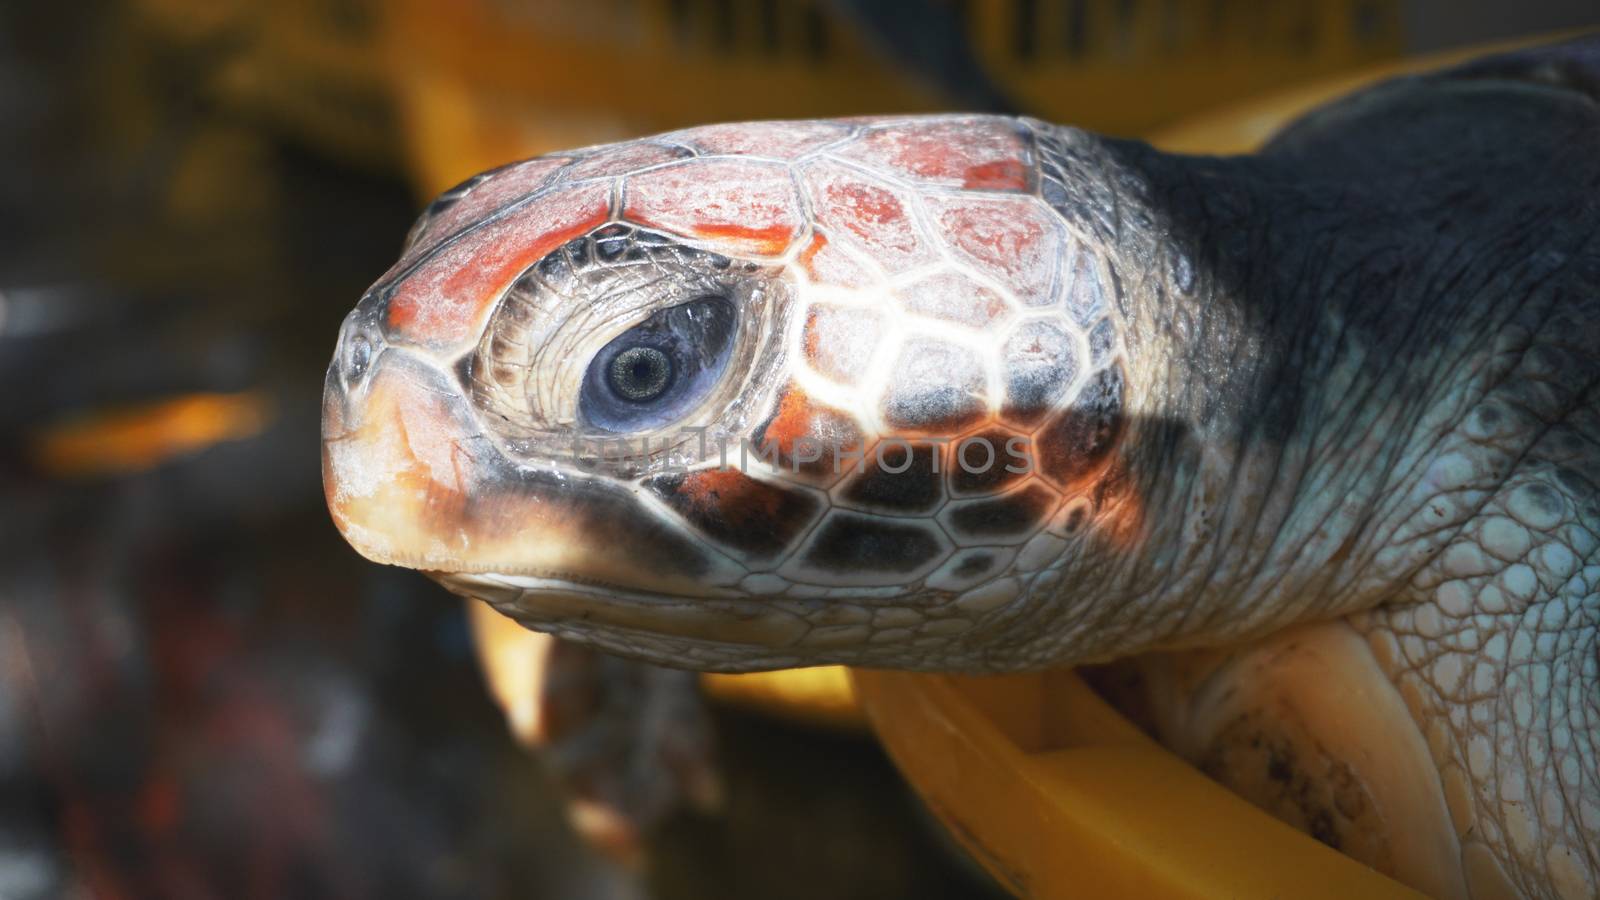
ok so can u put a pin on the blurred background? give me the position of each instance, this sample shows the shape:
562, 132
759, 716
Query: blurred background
203, 692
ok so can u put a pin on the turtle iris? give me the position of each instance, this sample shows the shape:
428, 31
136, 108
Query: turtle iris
656, 372
640, 374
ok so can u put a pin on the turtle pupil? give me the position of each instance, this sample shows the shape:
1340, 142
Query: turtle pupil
640, 374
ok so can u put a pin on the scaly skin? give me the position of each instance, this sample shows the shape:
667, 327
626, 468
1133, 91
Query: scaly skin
1350, 378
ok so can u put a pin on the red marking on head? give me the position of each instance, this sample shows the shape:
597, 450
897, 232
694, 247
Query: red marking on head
440, 302
159, 806
505, 261
769, 241
1011, 238
926, 156
870, 216
750, 207
1000, 174
869, 206
949, 152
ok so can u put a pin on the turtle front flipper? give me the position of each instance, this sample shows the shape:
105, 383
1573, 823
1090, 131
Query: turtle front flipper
630, 743
1307, 725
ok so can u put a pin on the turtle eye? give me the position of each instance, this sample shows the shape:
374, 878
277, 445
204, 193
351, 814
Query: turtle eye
656, 372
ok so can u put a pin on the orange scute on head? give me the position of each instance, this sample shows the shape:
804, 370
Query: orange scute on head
792, 422
812, 339
869, 206
805, 435
737, 496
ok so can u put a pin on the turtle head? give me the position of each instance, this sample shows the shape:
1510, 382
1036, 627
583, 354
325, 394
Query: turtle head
739, 397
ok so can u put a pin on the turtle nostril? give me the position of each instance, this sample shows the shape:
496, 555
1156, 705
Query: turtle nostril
360, 356
360, 342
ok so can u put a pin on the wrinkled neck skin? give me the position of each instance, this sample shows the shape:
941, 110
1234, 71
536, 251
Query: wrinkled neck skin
1279, 402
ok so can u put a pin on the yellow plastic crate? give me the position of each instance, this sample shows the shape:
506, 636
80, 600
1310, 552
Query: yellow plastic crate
482, 82
457, 86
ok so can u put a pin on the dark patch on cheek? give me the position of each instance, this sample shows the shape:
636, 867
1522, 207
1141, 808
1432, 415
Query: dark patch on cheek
1013, 514
985, 472
917, 489
854, 543
755, 517
1084, 435
605, 516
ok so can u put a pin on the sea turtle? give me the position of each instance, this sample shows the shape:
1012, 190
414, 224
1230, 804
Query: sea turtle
980, 393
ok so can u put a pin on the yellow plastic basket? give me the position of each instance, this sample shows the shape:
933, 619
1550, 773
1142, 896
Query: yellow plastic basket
482, 82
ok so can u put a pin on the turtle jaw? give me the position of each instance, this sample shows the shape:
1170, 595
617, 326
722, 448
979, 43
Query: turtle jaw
712, 630
411, 480
715, 628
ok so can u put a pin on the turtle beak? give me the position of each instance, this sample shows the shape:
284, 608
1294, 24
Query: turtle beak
411, 479
391, 432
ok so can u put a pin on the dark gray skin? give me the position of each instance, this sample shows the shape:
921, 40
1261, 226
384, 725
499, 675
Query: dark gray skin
1345, 513
1396, 319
